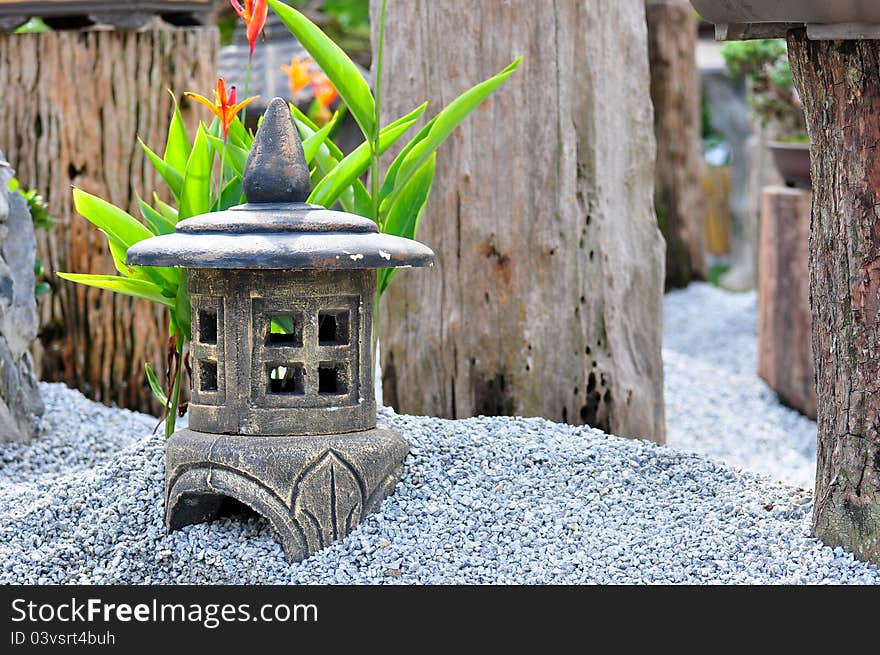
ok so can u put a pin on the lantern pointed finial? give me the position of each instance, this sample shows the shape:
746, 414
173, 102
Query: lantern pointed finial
276, 169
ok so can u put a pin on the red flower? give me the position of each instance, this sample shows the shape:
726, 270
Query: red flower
253, 13
224, 106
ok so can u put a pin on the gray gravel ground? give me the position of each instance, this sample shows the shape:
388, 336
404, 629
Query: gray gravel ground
484, 500
716, 405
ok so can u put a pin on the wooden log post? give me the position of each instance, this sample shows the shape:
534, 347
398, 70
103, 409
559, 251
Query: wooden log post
675, 92
547, 299
839, 83
71, 109
785, 351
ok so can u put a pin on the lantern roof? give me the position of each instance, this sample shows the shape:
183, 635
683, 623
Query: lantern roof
277, 229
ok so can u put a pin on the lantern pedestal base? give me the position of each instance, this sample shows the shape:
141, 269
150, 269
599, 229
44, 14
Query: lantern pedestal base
312, 489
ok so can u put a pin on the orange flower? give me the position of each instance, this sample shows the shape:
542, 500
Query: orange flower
224, 106
325, 92
298, 73
253, 13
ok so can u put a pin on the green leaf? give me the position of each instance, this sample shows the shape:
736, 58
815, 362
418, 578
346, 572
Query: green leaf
155, 387
360, 202
122, 226
235, 157
231, 195
136, 288
354, 165
117, 251
282, 325
406, 212
166, 278
183, 311
446, 121
195, 195
352, 87
313, 142
177, 147
171, 175
165, 209
391, 173
158, 223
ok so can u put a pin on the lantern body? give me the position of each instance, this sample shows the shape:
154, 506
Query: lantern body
282, 352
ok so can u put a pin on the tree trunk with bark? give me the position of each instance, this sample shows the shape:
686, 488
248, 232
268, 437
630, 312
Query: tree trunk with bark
71, 109
839, 83
675, 92
785, 352
547, 298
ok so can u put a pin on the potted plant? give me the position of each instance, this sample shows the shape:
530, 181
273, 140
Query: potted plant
764, 63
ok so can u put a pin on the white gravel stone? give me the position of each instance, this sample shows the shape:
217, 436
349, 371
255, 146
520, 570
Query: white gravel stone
716, 405
502, 500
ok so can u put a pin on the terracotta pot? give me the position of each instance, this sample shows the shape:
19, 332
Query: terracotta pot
748, 19
793, 162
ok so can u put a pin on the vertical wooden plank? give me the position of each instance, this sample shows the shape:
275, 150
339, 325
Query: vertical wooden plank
72, 107
547, 298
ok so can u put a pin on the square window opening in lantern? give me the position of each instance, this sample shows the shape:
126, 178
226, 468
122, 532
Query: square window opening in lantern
332, 379
333, 327
208, 326
285, 330
286, 379
207, 376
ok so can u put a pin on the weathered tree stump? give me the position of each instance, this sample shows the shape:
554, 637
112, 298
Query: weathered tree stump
675, 92
785, 352
547, 299
72, 106
839, 83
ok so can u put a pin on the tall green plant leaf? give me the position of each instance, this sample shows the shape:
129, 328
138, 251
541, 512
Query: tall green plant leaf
195, 195
157, 223
445, 122
117, 251
173, 178
155, 387
235, 157
122, 226
313, 143
406, 213
391, 173
165, 209
352, 87
354, 165
136, 288
177, 147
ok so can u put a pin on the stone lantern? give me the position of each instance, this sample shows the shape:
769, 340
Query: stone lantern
283, 414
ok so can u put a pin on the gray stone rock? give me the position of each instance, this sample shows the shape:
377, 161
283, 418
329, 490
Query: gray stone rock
20, 402
313, 490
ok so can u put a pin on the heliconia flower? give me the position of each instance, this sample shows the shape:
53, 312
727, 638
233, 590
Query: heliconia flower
253, 13
325, 92
298, 74
224, 106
